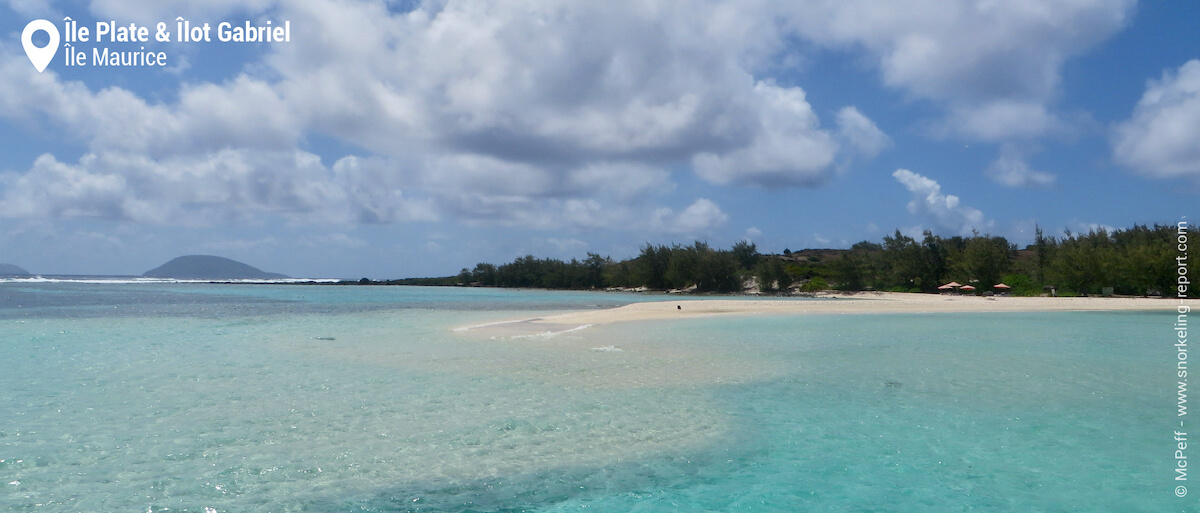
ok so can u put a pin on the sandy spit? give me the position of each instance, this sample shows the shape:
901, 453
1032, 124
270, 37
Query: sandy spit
860, 303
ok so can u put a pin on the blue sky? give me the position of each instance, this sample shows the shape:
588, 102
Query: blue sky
394, 139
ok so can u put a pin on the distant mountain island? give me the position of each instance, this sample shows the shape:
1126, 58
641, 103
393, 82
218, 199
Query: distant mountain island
207, 267
12, 270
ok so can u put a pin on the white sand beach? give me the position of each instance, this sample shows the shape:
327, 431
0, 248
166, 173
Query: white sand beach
857, 303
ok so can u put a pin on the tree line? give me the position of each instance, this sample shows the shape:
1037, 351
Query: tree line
1134, 261
656, 267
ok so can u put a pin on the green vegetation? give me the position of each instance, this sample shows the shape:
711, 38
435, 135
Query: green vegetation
1135, 261
657, 267
902, 264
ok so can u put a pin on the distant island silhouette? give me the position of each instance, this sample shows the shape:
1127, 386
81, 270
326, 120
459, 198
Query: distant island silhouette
208, 267
12, 270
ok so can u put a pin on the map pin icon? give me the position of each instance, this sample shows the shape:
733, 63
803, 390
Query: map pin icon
40, 57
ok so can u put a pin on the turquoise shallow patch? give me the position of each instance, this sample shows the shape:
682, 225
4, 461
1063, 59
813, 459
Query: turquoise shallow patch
307, 400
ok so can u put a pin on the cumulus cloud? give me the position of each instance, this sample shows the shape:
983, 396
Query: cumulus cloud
243, 113
566, 246
860, 133
238, 246
31, 8
371, 191
789, 148
546, 82
564, 85
338, 240
520, 113
1085, 227
702, 216
1002, 120
54, 189
943, 210
162, 10
1160, 139
478, 174
622, 180
535, 114
230, 185
996, 65
1011, 170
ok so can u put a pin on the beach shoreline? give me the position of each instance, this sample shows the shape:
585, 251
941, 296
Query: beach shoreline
832, 304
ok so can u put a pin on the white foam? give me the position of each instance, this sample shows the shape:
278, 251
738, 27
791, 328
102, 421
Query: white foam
608, 349
578, 328
551, 334
489, 324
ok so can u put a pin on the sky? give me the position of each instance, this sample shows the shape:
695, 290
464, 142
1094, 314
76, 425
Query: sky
389, 139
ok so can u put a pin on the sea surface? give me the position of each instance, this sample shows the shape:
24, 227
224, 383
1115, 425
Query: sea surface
184, 397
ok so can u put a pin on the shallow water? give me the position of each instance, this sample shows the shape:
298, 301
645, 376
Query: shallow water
132, 397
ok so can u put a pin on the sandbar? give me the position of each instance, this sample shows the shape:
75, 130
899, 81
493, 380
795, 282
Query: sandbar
858, 303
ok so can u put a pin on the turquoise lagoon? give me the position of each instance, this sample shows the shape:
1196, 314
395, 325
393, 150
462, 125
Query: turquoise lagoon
288, 398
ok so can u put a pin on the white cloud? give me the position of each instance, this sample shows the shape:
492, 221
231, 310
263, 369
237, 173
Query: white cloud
1095, 227
566, 246
230, 185
566, 85
943, 210
1160, 139
531, 82
238, 246
1011, 170
241, 113
533, 114
620, 180
916, 232
589, 213
54, 189
702, 216
488, 175
966, 50
1003, 120
989, 61
100, 240
340, 240
32, 8
163, 10
788, 150
539, 114
860, 133
372, 190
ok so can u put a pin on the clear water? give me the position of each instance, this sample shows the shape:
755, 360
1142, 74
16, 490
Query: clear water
240, 398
